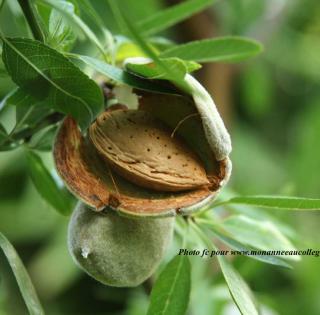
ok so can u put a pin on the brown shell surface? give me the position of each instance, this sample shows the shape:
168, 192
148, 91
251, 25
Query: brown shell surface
91, 179
180, 114
140, 148
71, 157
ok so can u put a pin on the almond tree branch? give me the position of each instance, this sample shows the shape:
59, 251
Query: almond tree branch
30, 14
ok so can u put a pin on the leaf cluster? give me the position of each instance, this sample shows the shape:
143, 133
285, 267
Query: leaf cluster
54, 79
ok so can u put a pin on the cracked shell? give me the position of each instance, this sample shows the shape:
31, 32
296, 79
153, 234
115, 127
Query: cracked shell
141, 149
88, 173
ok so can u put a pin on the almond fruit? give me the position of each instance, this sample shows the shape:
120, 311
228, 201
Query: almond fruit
115, 250
165, 156
140, 148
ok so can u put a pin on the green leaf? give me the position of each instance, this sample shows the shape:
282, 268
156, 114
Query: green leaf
224, 49
171, 292
29, 111
6, 143
263, 235
28, 117
43, 140
189, 64
172, 15
3, 134
276, 202
153, 71
87, 8
49, 77
46, 185
233, 243
24, 282
132, 30
239, 290
61, 35
75, 20
4, 102
124, 77
31, 117
3, 73
161, 43
125, 48
8, 146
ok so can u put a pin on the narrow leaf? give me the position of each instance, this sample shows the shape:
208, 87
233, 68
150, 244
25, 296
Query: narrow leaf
224, 49
87, 8
133, 31
124, 77
3, 134
24, 282
49, 77
43, 140
240, 247
29, 111
171, 292
238, 288
153, 71
28, 117
76, 20
6, 142
276, 202
263, 235
4, 102
46, 185
125, 48
61, 35
172, 15
3, 73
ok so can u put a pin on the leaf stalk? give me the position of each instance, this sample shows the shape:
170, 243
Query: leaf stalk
30, 14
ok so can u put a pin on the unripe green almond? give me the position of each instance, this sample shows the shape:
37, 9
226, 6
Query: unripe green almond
115, 250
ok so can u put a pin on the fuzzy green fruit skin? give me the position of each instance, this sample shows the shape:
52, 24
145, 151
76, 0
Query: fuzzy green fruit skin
115, 250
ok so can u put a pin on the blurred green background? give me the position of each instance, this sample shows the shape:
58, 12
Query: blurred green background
271, 106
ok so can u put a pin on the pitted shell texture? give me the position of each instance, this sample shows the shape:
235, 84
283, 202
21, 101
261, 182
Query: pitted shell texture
141, 149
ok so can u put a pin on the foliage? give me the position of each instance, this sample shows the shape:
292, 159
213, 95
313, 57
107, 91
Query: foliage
170, 294
24, 282
44, 81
